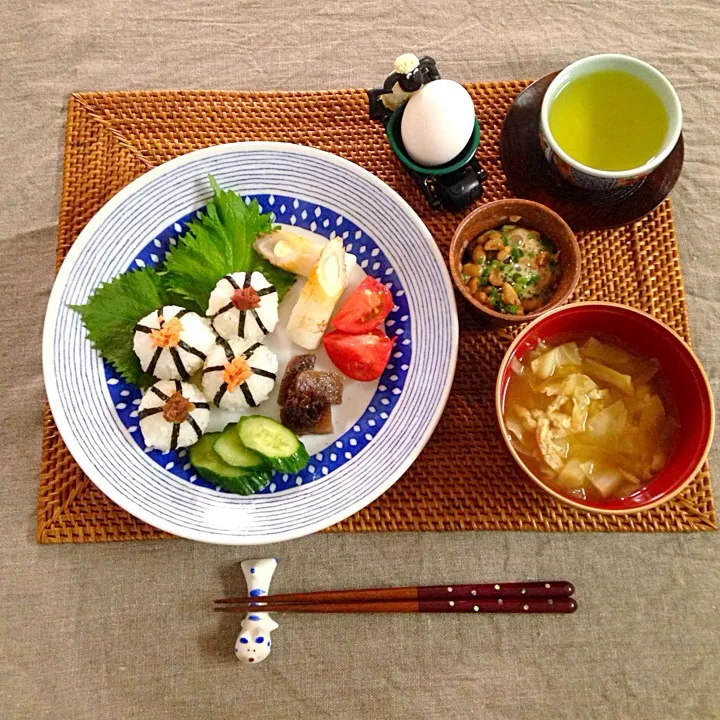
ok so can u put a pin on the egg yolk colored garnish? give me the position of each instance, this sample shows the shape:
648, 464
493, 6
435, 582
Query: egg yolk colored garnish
168, 334
236, 373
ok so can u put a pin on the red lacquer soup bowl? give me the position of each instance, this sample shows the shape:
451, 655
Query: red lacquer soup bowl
682, 374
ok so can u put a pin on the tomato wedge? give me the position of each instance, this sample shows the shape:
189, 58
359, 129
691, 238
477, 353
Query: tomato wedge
365, 309
360, 357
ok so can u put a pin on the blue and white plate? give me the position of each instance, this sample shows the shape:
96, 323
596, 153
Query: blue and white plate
380, 428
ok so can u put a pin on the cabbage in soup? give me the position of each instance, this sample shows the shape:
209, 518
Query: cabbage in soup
590, 418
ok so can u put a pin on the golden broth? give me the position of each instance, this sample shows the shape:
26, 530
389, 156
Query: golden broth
609, 120
590, 418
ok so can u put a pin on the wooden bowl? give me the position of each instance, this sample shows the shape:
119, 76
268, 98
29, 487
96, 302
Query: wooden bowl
535, 217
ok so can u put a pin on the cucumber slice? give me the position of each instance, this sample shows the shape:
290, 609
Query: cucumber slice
250, 482
278, 445
233, 452
214, 469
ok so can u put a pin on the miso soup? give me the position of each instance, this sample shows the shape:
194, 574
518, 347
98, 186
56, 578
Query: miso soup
591, 419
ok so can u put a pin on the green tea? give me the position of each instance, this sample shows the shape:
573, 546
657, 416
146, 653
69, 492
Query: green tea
609, 120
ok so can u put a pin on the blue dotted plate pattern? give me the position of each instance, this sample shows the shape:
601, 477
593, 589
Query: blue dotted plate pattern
329, 224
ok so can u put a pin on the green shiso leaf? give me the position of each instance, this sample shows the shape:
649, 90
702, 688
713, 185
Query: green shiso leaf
111, 313
218, 243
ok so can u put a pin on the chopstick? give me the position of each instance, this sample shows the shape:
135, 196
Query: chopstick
551, 596
542, 589
558, 604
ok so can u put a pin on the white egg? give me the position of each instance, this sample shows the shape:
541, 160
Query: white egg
437, 122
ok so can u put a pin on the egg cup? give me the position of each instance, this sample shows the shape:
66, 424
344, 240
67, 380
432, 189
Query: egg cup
452, 186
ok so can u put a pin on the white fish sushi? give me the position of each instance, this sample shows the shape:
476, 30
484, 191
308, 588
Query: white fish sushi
172, 342
173, 415
239, 374
243, 305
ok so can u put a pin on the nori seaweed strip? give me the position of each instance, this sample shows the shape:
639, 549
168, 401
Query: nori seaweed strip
175, 436
229, 354
178, 386
246, 281
220, 393
213, 368
175, 355
202, 405
249, 399
264, 373
159, 393
223, 309
231, 280
143, 328
194, 425
190, 349
182, 312
269, 290
264, 330
154, 360
147, 412
248, 353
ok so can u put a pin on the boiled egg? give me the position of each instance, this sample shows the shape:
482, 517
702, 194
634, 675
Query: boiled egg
437, 122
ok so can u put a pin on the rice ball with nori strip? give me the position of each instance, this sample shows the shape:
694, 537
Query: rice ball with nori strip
172, 342
239, 374
243, 305
173, 415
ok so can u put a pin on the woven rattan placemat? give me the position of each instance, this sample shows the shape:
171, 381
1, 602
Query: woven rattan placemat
464, 479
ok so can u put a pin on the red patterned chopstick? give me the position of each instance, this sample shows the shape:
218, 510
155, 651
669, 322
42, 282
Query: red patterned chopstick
542, 589
560, 604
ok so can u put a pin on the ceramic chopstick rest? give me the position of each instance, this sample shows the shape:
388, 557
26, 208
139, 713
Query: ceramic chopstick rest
254, 643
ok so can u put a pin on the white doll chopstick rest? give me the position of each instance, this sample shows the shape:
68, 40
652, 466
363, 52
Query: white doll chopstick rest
254, 643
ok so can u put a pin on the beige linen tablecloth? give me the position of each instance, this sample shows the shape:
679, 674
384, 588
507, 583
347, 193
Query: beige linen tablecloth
124, 630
